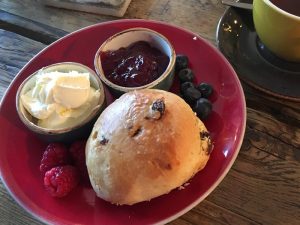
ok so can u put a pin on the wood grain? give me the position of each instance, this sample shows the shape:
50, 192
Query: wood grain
17, 51
202, 16
264, 183
11, 212
28, 28
283, 110
263, 186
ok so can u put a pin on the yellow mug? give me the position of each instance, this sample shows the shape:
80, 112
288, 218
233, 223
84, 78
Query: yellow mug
278, 30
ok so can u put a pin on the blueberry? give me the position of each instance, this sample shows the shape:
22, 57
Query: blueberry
191, 95
181, 62
186, 75
202, 108
205, 89
185, 86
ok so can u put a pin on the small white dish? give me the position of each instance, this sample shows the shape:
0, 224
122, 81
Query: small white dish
69, 133
128, 37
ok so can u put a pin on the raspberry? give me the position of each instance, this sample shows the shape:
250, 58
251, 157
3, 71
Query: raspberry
77, 151
61, 180
56, 154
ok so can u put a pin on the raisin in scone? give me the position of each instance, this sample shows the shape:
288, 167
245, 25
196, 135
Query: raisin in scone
143, 145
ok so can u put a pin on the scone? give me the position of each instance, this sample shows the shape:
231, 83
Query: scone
143, 145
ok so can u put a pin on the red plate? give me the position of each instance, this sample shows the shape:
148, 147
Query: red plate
20, 150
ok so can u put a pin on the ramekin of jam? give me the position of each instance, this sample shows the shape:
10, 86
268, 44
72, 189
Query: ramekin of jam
136, 58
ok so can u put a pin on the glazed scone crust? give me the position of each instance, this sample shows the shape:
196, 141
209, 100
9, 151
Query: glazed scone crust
135, 153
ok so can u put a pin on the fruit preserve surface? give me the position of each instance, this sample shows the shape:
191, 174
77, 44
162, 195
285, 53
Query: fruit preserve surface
136, 65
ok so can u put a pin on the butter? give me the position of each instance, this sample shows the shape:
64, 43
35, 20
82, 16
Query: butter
61, 99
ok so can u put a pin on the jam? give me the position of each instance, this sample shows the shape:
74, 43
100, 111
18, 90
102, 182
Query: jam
136, 65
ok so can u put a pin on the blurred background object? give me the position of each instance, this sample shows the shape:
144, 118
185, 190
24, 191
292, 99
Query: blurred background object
104, 7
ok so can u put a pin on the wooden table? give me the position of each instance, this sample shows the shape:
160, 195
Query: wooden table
262, 187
